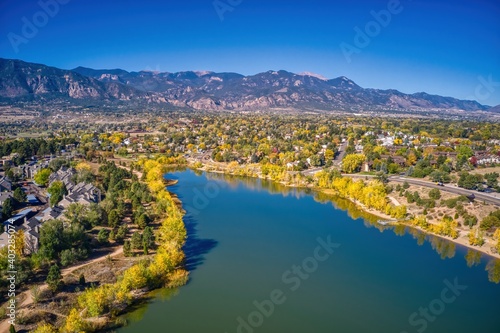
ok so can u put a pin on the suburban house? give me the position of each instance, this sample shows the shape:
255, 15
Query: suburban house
4, 196
31, 230
81, 193
50, 213
30, 169
486, 159
31, 235
64, 175
5, 184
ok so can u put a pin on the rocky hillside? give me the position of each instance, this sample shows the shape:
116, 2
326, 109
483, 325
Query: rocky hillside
211, 91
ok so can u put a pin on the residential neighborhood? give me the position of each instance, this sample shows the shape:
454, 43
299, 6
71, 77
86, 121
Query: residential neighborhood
36, 208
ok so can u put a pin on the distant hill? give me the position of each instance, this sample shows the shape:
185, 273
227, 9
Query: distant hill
20, 80
495, 109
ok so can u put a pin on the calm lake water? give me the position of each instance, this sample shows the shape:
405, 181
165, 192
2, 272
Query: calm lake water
269, 259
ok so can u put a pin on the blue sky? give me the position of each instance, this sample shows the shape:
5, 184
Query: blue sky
450, 48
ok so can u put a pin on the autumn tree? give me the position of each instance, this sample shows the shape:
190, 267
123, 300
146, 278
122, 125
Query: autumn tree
74, 323
476, 238
496, 236
42, 177
352, 163
20, 242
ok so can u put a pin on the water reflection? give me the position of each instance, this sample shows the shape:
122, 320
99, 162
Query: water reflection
493, 269
473, 258
138, 314
446, 249
443, 247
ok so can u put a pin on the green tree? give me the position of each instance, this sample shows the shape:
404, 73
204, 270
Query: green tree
113, 218
7, 208
127, 248
54, 278
142, 221
68, 257
95, 215
19, 195
464, 151
148, 237
57, 191
51, 239
440, 176
76, 213
469, 181
121, 233
102, 236
42, 177
136, 240
491, 179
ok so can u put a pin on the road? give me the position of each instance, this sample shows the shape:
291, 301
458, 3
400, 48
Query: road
449, 188
336, 161
488, 198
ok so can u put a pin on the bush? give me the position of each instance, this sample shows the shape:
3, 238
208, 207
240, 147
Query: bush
490, 222
435, 194
470, 220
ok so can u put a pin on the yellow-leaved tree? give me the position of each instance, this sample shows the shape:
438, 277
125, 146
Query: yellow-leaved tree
74, 323
497, 237
20, 242
83, 166
45, 328
352, 162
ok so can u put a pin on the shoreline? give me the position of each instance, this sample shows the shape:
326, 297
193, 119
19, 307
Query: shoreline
461, 240
177, 277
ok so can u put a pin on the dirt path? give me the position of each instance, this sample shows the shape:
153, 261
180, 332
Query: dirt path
4, 325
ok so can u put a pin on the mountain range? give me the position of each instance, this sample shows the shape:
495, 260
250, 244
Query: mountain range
23, 81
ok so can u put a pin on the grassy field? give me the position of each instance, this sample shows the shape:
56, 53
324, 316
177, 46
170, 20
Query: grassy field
483, 171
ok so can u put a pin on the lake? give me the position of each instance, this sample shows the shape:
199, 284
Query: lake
269, 259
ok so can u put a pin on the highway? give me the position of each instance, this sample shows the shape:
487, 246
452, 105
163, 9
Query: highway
491, 199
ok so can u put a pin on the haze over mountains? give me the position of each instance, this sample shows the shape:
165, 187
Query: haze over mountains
22, 81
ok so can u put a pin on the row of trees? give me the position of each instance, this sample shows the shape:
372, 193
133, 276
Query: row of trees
373, 195
161, 269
